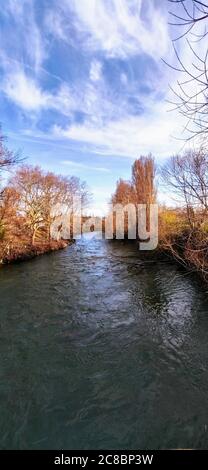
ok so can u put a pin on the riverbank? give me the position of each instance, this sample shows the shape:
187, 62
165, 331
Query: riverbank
186, 248
192, 255
23, 253
187, 245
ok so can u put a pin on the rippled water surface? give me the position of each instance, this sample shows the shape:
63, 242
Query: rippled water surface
99, 350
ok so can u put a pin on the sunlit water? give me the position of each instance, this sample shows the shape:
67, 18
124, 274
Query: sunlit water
100, 350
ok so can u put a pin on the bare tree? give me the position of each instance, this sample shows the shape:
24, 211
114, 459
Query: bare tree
124, 193
32, 203
8, 158
11, 226
27, 182
143, 180
59, 197
44, 197
141, 189
191, 92
187, 175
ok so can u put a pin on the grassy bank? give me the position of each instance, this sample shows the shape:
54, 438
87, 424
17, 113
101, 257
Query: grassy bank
20, 253
186, 244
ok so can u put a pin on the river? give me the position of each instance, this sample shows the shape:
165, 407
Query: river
100, 350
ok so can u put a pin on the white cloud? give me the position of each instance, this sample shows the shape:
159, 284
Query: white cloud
124, 79
128, 136
64, 100
15, 7
93, 98
108, 129
54, 24
117, 27
26, 35
114, 29
83, 166
24, 91
95, 70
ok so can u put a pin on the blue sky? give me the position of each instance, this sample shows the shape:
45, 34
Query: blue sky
83, 89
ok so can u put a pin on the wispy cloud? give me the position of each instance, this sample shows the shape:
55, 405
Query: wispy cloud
24, 37
24, 91
95, 70
90, 72
82, 166
117, 27
128, 136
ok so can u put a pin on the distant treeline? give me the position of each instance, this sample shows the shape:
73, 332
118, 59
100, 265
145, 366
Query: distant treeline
28, 199
183, 230
27, 204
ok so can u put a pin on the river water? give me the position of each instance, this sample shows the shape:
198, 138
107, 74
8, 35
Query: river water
101, 350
